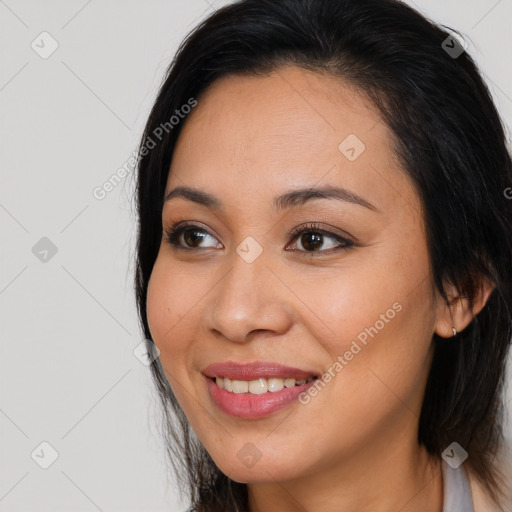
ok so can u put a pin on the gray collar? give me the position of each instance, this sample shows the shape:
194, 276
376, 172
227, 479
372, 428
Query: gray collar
457, 492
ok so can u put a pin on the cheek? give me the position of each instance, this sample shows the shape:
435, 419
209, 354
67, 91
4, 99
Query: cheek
375, 321
379, 358
168, 300
170, 312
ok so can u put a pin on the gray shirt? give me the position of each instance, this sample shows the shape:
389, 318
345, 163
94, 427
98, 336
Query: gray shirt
457, 492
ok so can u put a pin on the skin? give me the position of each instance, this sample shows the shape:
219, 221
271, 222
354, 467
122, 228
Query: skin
354, 445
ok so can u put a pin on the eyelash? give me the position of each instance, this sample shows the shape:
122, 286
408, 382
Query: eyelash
177, 229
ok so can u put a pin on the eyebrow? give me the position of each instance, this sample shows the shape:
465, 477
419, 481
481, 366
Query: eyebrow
291, 199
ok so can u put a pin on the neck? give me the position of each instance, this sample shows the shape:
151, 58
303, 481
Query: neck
404, 478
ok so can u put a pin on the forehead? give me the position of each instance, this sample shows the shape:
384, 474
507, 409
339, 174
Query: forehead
289, 108
265, 134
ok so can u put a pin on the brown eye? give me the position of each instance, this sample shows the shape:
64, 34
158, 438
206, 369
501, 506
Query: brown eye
192, 236
312, 239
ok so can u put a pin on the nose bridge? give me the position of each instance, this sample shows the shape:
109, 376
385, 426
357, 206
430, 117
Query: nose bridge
246, 299
240, 291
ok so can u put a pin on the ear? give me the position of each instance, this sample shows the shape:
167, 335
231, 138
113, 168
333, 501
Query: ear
458, 314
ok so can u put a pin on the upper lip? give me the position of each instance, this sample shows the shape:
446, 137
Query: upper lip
255, 370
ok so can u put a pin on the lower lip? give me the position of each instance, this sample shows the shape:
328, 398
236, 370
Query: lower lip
246, 405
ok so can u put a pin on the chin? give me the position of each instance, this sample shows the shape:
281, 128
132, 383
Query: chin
262, 471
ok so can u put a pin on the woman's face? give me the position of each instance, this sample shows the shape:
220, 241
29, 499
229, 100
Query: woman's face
239, 288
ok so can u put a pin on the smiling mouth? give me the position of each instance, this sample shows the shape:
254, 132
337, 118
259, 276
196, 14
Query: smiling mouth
259, 386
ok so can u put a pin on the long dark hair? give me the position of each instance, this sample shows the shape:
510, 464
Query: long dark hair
450, 140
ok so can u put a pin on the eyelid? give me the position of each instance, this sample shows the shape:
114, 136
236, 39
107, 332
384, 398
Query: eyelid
317, 228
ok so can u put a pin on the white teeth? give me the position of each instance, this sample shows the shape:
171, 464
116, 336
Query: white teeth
240, 386
275, 384
289, 383
259, 386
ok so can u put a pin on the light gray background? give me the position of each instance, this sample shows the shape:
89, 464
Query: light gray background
68, 326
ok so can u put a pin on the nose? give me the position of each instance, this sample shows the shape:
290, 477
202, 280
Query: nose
249, 298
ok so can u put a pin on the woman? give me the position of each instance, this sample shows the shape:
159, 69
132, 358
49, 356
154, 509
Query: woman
324, 262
